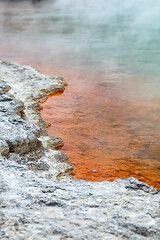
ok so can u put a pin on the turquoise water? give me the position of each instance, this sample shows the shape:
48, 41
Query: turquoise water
104, 35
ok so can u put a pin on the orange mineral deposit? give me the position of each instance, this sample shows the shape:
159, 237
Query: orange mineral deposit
109, 130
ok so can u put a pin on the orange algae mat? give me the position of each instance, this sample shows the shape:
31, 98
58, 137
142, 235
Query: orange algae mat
110, 129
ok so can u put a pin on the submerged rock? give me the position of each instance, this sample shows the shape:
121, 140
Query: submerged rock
33, 205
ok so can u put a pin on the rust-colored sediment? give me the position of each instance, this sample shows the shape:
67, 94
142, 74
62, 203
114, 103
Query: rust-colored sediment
110, 129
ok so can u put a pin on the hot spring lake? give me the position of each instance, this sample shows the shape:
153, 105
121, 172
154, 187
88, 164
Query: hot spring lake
108, 51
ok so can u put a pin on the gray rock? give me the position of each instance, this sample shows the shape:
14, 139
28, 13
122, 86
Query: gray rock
17, 133
41, 166
51, 142
59, 156
21, 124
4, 148
8, 104
28, 85
33, 207
4, 87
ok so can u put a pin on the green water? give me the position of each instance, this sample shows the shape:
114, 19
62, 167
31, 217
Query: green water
104, 35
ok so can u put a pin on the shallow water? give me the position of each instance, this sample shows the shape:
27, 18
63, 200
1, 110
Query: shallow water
109, 53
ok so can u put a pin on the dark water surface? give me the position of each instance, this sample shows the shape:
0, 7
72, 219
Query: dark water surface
109, 53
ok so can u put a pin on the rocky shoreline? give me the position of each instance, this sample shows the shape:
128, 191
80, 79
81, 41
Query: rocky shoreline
34, 205
23, 135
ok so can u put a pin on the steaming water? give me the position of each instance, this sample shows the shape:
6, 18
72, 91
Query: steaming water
110, 47
104, 34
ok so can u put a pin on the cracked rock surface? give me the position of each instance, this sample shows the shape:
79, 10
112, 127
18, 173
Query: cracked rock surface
33, 205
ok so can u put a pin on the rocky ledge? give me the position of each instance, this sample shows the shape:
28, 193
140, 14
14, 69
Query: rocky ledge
33, 204
23, 136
